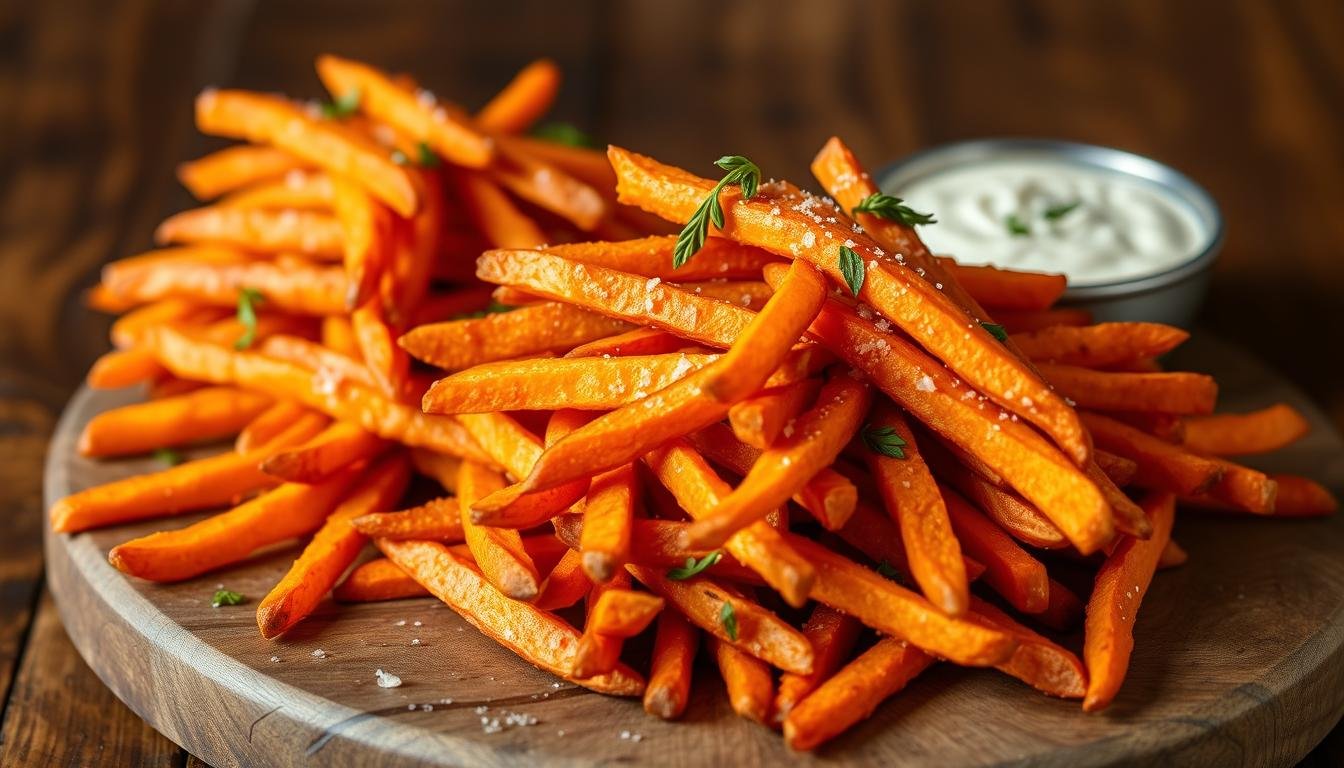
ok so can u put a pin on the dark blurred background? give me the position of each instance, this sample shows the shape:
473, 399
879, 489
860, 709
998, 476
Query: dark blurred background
1247, 97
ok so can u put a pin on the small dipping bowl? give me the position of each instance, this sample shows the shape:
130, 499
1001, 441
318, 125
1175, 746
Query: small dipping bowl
1169, 293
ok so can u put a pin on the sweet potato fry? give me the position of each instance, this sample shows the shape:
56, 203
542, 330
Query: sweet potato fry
670, 671
903, 297
753, 628
599, 653
914, 501
233, 168
757, 421
332, 549
1164, 392
1173, 556
496, 216
123, 368
565, 585
297, 189
549, 188
498, 551
1065, 609
388, 419
1037, 661
366, 239
1114, 605
263, 119
198, 416
127, 329
201, 484
543, 327
623, 612
700, 493
537, 636
378, 580
782, 471
1302, 497
311, 233
523, 100
889, 608
649, 257
1244, 488
415, 113
1237, 434
1104, 345
1008, 289
853, 693
1120, 470
1009, 569
832, 635
1128, 517
517, 451
608, 517
268, 424
286, 512
617, 294
334, 366
1160, 464
749, 681
310, 290
451, 305
1036, 469
388, 363
1165, 426
641, 341
1007, 509
435, 520
656, 543
335, 448
1024, 322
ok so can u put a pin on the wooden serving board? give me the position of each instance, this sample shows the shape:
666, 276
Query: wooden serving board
1239, 658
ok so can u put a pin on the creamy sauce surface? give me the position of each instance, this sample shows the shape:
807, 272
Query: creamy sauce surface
1094, 225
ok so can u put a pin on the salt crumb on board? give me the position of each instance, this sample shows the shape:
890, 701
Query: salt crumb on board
386, 679
319, 654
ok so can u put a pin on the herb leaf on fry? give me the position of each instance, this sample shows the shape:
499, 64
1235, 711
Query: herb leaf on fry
693, 567
884, 440
342, 106
740, 171
995, 330
248, 299
893, 209
851, 267
728, 618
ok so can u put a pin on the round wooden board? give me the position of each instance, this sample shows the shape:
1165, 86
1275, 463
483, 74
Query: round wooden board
1239, 657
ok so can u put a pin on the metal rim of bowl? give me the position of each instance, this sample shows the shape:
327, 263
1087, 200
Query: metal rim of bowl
1117, 160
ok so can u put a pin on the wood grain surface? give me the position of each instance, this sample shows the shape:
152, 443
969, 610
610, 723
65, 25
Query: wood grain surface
1246, 96
1239, 657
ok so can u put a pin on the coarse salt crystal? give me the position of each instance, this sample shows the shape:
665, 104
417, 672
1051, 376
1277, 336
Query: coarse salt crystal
320, 654
925, 384
386, 679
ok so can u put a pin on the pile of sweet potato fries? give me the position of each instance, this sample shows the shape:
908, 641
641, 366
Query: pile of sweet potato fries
831, 455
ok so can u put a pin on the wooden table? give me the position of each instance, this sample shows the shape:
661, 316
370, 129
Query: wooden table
1246, 97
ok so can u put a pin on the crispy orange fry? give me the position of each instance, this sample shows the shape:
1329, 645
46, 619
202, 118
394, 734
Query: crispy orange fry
1302, 497
127, 329
655, 543
674, 647
543, 327
332, 549
233, 168
498, 551
617, 294
435, 520
700, 493
641, 341
1007, 509
123, 368
305, 289
1147, 392
286, 512
201, 484
883, 605
1114, 605
607, 519
549, 188
749, 681
263, 119
337, 447
1244, 488
1166, 426
782, 471
832, 635
565, 585
1120, 470
339, 336
335, 366
523, 100
416, 247
649, 257
365, 243
516, 450
1038, 662
1236, 434
853, 693
537, 636
198, 416
388, 419
1024, 322
1065, 609
387, 362
903, 297
753, 629
297, 189
757, 421
1126, 514
1160, 464
623, 612
311, 233
1173, 556
495, 215
268, 424
1009, 569
914, 501
1099, 346
1008, 289
599, 653
377, 580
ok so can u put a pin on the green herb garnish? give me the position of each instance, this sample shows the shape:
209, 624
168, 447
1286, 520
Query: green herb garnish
494, 308
693, 567
884, 441
893, 208
225, 597
995, 330
740, 171
167, 456
851, 268
425, 156
887, 570
563, 133
1016, 227
248, 299
1057, 212
728, 618
342, 106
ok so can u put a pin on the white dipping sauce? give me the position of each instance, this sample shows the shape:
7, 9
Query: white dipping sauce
1121, 227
